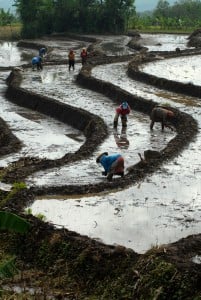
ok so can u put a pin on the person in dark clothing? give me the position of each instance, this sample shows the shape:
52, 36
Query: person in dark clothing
71, 59
162, 115
42, 52
83, 56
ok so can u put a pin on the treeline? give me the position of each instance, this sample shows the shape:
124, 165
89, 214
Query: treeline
41, 17
6, 18
182, 15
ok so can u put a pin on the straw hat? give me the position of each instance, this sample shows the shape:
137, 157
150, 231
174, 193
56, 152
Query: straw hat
99, 156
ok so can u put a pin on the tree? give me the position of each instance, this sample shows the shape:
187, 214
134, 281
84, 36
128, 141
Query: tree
6, 18
162, 9
45, 16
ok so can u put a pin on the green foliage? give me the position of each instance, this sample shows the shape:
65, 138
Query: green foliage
6, 17
183, 15
8, 268
40, 216
17, 186
12, 222
46, 16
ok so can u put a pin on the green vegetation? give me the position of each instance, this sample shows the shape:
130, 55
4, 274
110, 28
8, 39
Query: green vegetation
10, 222
41, 17
183, 16
9, 26
40, 216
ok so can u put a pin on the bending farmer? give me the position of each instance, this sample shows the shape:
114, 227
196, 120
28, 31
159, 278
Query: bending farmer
123, 110
37, 62
42, 52
112, 164
162, 115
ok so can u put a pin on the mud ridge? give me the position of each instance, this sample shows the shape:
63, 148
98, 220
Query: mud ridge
9, 143
91, 125
163, 83
185, 125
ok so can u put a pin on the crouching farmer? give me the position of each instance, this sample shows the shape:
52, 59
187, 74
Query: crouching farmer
162, 115
37, 62
122, 111
112, 164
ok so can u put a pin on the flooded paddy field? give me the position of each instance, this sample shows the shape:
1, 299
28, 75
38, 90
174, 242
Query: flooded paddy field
162, 208
89, 237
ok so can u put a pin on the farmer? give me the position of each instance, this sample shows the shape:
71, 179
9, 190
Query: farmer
162, 115
37, 62
83, 55
71, 59
123, 110
42, 52
112, 164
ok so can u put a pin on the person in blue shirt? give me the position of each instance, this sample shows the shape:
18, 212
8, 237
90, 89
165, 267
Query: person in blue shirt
113, 164
42, 52
37, 62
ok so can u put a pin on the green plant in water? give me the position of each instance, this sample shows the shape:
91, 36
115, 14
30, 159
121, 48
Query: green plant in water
28, 211
19, 186
40, 216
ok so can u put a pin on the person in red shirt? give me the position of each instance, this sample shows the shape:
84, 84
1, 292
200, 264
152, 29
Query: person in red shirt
123, 110
71, 59
84, 56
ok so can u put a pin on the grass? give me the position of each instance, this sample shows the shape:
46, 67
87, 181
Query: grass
10, 32
160, 29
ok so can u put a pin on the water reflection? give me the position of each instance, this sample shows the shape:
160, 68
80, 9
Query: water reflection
10, 54
121, 138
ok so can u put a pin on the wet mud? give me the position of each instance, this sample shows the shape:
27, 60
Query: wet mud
76, 266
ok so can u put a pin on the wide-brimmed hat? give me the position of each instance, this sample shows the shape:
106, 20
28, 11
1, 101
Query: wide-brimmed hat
99, 156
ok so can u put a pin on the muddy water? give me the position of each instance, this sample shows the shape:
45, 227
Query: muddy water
164, 42
10, 55
36, 131
161, 209
186, 69
60, 84
59, 47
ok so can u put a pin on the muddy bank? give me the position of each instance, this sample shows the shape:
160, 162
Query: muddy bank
91, 125
66, 264
8, 141
162, 83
